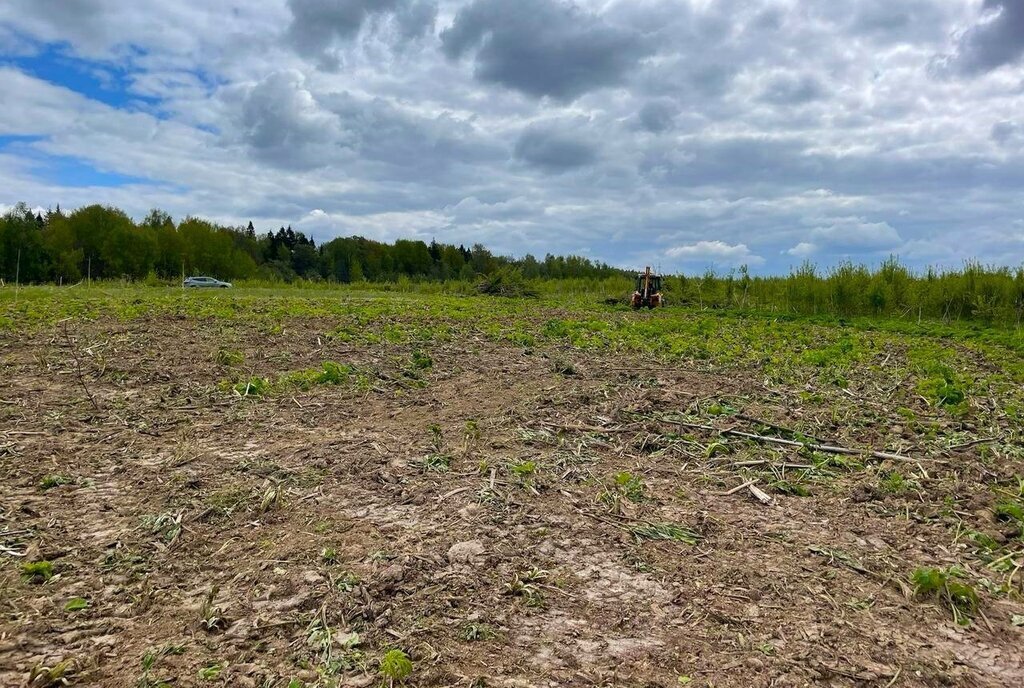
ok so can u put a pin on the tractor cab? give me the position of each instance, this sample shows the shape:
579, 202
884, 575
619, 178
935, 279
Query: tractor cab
654, 283
648, 290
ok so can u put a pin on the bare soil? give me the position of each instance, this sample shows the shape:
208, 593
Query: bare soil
304, 513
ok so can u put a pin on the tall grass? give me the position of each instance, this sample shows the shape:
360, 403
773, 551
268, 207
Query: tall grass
992, 296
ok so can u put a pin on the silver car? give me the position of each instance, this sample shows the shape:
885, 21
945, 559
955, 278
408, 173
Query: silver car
198, 282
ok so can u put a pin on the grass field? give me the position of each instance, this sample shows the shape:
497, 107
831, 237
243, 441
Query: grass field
297, 487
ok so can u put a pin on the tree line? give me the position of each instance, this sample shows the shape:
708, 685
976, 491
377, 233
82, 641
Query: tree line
100, 242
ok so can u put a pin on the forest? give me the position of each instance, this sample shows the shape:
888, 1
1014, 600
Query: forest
98, 242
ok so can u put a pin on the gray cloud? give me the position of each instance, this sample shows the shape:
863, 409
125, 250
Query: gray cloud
543, 47
997, 40
792, 89
658, 115
282, 123
554, 147
1007, 133
318, 26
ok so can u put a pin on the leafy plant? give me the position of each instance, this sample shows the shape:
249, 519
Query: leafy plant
55, 480
76, 604
211, 672
166, 525
630, 486
37, 571
227, 357
438, 463
395, 666
524, 469
51, 676
474, 632
253, 387
211, 617
421, 361
948, 586
895, 483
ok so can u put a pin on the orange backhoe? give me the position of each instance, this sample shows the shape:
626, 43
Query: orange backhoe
648, 291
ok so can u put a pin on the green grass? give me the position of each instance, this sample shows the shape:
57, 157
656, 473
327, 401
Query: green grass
949, 587
665, 531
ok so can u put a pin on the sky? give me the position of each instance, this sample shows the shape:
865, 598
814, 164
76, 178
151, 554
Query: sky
684, 134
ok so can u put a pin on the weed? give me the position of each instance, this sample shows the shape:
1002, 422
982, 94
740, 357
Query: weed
895, 483
520, 586
720, 410
563, 367
76, 604
225, 501
149, 660
37, 571
791, 488
1010, 511
211, 672
474, 632
421, 361
665, 531
716, 448
51, 677
948, 586
273, 497
55, 480
227, 357
166, 525
436, 437
524, 469
630, 486
395, 666
329, 373
253, 387
211, 617
329, 556
439, 463
470, 436
346, 582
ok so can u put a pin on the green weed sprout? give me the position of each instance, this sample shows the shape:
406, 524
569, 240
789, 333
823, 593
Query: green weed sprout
395, 666
948, 586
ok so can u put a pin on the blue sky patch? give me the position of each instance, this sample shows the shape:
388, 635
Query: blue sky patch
95, 80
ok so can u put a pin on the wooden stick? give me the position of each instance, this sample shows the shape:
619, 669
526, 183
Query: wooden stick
974, 443
773, 426
78, 367
735, 489
759, 494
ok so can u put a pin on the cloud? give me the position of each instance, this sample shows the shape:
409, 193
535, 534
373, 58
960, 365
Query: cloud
543, 47
804, 249
854, 234
1007, 133
554, 147
284, 124
792, 89
658, 115
997, 39
319, 26
715, 253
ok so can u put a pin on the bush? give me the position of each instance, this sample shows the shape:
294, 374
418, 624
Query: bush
505, 281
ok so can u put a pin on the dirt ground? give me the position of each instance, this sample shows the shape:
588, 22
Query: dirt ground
291, 539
